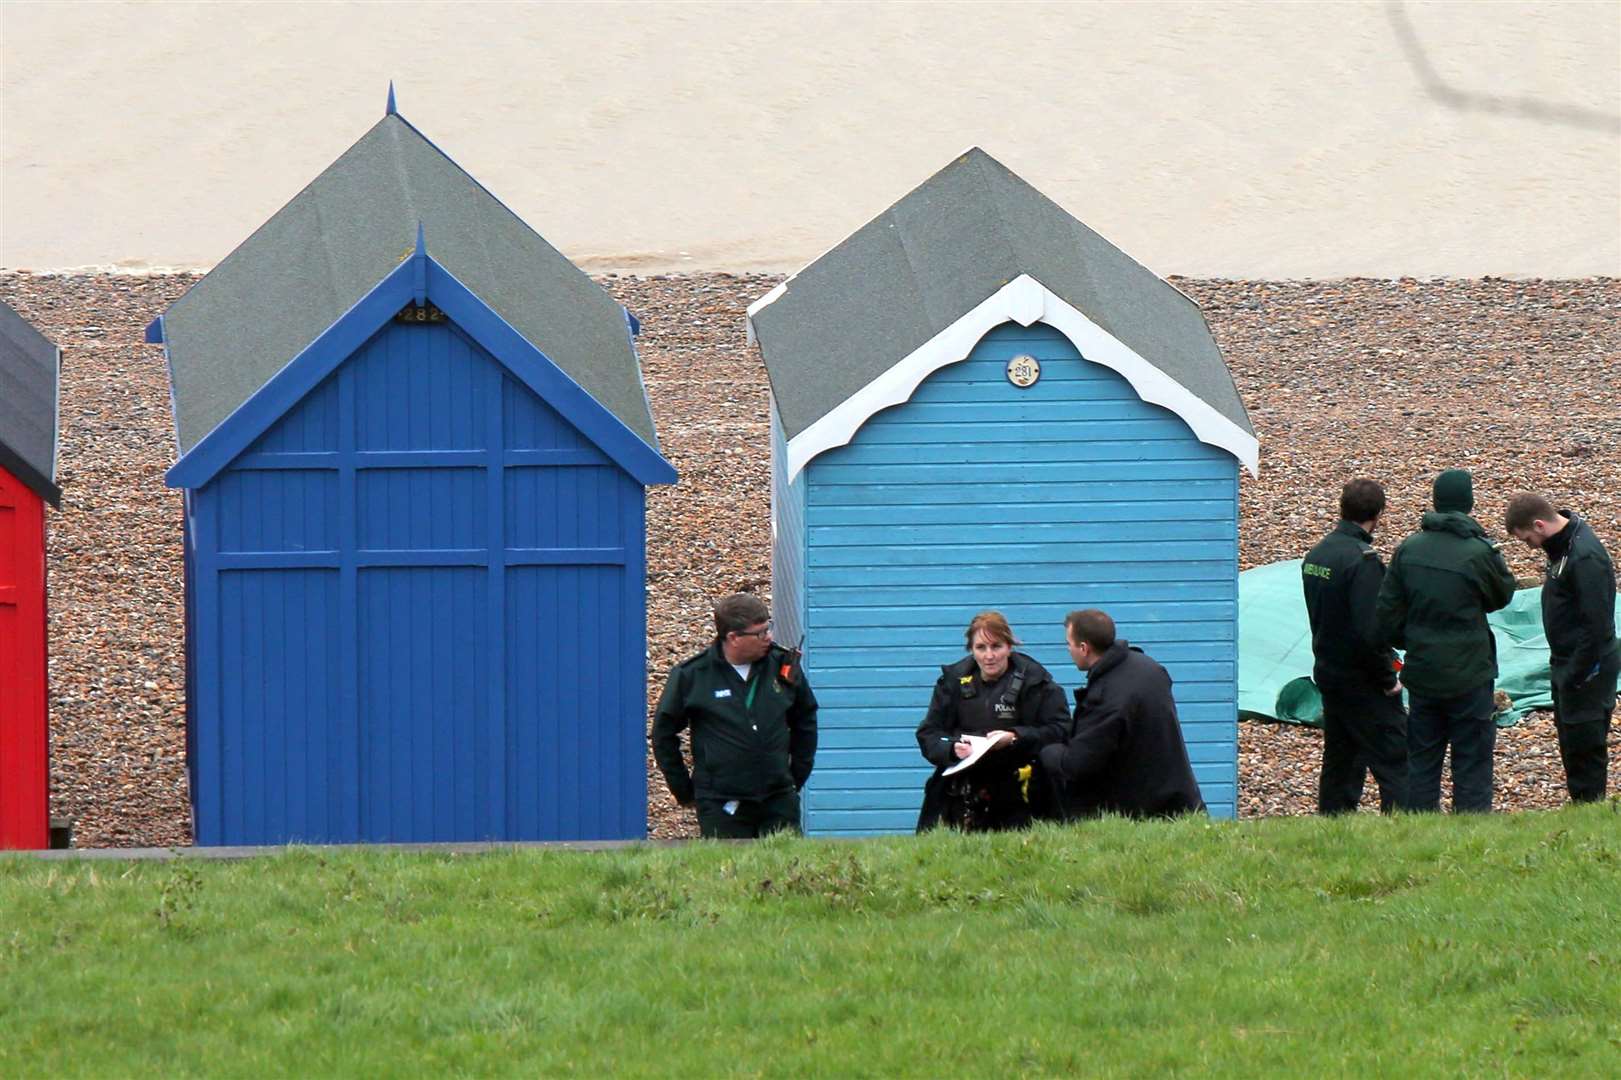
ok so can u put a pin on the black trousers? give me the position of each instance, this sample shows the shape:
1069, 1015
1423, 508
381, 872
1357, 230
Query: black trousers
752, 817
988, 799
1463, 723
1581, 715
1364, 730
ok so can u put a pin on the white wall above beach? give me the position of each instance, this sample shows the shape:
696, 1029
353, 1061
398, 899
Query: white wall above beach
1211, 139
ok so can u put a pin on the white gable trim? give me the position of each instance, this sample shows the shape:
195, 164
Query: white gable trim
1023, 300
769, 298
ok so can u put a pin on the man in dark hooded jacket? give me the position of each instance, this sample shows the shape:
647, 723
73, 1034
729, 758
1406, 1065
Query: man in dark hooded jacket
1578, 618
1433, 602
1126, 754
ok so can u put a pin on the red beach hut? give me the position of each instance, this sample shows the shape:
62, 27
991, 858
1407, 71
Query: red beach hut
29, 365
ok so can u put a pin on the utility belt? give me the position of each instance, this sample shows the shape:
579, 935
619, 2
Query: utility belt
987, 798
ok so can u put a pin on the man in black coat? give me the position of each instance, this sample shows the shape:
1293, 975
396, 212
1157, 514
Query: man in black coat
1364, 724
1578, 618
753, 721
1126, 755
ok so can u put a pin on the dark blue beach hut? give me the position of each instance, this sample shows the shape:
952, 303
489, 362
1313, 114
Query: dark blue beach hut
978, 402
414, 444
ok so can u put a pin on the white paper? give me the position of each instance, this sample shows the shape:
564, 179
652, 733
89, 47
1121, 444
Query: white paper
977, 744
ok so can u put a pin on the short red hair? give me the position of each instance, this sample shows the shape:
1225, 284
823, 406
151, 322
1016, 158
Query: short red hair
996, 629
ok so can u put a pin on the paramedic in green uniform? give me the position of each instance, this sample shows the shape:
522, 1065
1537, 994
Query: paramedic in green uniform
1364, 724
1441, 583
753, 721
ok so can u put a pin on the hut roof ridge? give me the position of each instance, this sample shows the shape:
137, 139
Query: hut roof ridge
30, 376
969, 230
312, 260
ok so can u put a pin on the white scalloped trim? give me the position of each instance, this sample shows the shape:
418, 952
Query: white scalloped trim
1023, 300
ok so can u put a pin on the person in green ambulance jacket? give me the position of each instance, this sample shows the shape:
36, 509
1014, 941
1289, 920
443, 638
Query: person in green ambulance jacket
753, 722
1433, 602
1364, 723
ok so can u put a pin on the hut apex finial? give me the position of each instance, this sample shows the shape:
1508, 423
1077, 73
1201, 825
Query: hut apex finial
391, 110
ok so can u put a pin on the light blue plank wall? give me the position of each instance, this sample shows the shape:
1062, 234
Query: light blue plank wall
419, 611
976, 494
787, 542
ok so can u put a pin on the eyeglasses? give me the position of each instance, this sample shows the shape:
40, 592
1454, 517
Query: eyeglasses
762, 633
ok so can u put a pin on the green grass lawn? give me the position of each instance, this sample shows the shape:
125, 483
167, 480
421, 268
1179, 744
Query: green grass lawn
1419, 946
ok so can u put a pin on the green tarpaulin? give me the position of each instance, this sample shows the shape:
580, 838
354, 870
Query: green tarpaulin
1274, 650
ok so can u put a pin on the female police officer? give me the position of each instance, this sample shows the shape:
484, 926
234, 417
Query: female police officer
997, 693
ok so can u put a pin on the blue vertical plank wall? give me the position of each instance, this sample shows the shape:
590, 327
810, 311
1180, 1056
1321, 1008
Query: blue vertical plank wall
418, 603
976, 494
787, 543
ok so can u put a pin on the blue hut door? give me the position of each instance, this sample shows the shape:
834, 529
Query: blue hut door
445, 582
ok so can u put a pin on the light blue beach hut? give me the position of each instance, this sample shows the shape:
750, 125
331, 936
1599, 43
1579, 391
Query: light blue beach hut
977, 402
414, 445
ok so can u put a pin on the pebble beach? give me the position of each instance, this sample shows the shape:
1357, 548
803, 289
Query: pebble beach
1517, 380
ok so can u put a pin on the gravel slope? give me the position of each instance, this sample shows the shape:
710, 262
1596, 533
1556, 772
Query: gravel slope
1518, 380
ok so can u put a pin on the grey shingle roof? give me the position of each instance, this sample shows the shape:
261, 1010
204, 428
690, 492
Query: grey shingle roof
29, 369
956, 239
302, 269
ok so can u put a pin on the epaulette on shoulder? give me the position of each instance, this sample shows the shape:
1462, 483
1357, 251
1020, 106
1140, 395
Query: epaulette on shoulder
1368, 549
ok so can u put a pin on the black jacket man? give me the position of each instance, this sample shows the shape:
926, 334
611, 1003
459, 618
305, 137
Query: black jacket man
1364, 724
1578, 618
1126, 754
